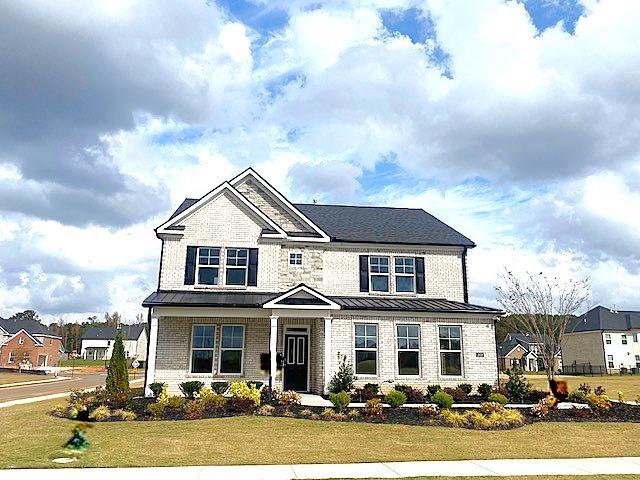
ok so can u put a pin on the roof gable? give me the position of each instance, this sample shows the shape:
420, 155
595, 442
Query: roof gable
31, 326
129, 332
302, 297
600, 318
21, 332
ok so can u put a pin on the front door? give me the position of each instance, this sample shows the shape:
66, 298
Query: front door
296, 347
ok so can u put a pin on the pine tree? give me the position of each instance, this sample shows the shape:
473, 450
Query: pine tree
117, 375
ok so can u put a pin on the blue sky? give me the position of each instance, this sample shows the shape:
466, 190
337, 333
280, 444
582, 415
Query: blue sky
508, 120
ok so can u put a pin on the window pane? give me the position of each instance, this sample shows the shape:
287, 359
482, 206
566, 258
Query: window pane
232, 336
403, 344
207, 276
444, 344
379, 283
454, 344
401, 330
454, 332
408, 363
365, 362
414, 343
236, 276
371, 342
451, 363
202, 361
360, 343
413, 331
372, 330
231, 361
404, 284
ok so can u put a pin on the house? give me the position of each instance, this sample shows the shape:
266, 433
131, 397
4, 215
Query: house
522, 349
28, 344
252, 286
603, 340
97, 342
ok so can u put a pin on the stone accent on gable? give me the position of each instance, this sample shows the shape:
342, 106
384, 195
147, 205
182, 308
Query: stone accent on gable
310, 272
270, 208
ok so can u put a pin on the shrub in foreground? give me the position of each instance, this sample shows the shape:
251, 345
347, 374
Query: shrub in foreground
395, 398
190, 389
126, 415
466, 388
342, 380
442, 399
458, 394
340, 400
157, 388
243, 391
498, 398
100, 414
289, 398
194, 409
429, 410
598, 403
475, 419
517, 386
484, 390
373, 408
220, 387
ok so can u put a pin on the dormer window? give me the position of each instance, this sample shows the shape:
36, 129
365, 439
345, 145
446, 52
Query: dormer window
379, 274
208, 265
295, 258
405, 270
236, 273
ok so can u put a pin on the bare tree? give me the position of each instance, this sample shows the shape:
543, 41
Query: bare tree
543, 308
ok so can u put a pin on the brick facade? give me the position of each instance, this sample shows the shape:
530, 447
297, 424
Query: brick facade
45, 349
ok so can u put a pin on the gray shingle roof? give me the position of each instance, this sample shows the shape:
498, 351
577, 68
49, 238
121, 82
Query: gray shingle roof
33, 327
600, 318
347, 223
256, 300
129, 332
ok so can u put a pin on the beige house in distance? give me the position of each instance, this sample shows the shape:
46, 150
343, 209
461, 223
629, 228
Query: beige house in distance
254, 287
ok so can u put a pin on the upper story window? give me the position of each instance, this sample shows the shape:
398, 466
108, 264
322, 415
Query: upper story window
295, 258
405, 270
208, 265
21, 341
237, 262
635, 337
450, 350
624, 339
379, 274
607, 338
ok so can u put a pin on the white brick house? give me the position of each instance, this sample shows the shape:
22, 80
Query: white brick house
254, 287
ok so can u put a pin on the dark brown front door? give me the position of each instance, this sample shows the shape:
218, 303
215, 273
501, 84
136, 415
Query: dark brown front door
296, 348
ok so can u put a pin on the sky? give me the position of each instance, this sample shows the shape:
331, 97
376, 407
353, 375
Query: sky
516, 122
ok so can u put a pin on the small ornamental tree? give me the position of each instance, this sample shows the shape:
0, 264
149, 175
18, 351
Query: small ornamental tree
117, 389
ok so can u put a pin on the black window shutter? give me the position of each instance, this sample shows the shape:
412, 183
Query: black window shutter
420, 275
252, 275
190, 266
364, 273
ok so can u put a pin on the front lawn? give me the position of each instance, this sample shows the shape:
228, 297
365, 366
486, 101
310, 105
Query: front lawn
17, 377
629, 384
31, 438
82, 362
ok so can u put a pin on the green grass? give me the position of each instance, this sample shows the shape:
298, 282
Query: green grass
81, 362
32, 438
629, 384
10, 377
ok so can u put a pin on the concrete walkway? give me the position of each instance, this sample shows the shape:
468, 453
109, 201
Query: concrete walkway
34, 382
495, 468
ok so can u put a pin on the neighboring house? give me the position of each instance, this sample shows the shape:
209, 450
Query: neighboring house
603, 338
249, 280
521, 349
28, 344
97, 342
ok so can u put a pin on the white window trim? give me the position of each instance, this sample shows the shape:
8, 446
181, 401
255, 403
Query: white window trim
398, 350
388, 274
366, 375
410, 275
623, 338
440, 351
12, 357
293, 256
610, 362
244, 339
607, 338
219, 267
234, 267
213, 348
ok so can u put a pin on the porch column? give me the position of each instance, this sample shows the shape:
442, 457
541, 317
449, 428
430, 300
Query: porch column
151, 355
327, 353
273, 342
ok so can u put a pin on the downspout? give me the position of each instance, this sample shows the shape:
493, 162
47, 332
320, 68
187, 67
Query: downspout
465, 290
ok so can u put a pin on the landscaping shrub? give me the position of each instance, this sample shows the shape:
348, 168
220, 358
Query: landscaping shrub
175, 402
243, 405
373, 408
517, 387
490, 407
508, 418
126, 415
328, 414
340, 400
190, 389
220, 387
289, 398
61, 411
395, 398
598, 403
156, 388
275, 395
452, 418
578, 396
600, 390
476, 420
498, 398
194, 409
620, 396
117, 383
266, 410
584, 388
442, 399
305, 413
212, 401
433, 389
484, 390
353, 414
157, 410
83, 402
429, 410
372, 388
258, 385
457, 394
342, 380
536, 395
466, 388
243, 391
541, 409
100, 414
413, 395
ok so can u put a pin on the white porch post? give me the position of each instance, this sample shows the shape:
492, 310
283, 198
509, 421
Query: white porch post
151, 355
327, 353
273, 342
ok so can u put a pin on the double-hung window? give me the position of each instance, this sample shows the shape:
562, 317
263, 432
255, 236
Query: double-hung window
624, 339
450, 350
405, 270
231, 348
12, 357
610, 361
208, 265
379, 274
366, 347
236, 271
202, 343
607, 338
408, 337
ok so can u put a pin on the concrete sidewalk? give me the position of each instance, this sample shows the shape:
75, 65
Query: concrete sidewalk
498, 468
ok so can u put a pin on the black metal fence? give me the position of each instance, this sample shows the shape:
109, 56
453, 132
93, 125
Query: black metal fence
584, 369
